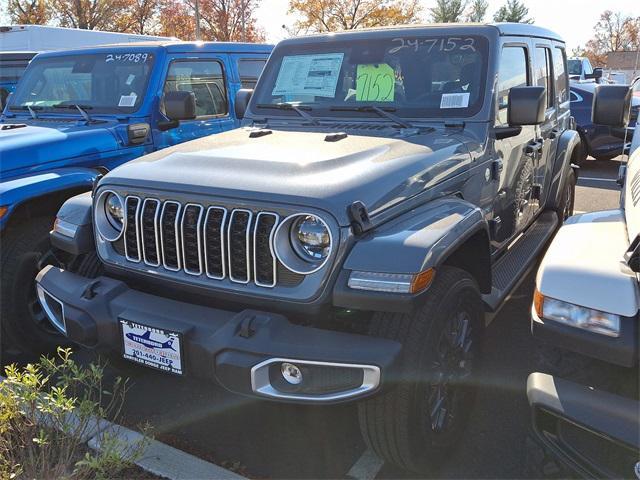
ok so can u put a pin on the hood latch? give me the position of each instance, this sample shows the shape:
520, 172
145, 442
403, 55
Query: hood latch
359, 216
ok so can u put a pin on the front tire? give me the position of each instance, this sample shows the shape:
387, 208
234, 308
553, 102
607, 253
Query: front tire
25, 251
426, 409
567, 201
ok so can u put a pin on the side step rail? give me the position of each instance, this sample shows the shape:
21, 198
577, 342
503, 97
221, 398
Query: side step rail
511, 268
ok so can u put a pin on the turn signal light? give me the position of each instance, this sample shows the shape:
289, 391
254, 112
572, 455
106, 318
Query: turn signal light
538, 302
422, 280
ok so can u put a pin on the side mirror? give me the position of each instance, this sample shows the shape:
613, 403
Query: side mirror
242, 101
179, 105
597, 74
526, 106
611, 105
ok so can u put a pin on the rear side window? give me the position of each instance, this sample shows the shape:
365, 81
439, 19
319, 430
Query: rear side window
249, 71
543, 73
205, 79
512, 73
562, 87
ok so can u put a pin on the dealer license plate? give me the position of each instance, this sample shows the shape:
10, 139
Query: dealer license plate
152, 347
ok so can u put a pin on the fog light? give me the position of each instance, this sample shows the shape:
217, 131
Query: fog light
291, 373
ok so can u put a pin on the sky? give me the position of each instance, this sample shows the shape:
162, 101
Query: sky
572, 19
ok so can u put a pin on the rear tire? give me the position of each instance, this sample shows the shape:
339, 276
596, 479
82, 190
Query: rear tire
423, 413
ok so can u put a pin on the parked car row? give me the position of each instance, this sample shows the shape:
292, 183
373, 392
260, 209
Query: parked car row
344, 245
79, 114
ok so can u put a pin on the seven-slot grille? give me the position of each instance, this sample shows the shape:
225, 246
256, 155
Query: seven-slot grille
213, 241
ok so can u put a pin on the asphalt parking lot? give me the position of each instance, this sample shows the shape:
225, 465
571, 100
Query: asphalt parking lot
267, 440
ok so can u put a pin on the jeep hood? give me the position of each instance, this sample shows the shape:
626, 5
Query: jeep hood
41, 145
301, 168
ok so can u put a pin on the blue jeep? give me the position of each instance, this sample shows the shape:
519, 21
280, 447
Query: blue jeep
76, 114
12, 65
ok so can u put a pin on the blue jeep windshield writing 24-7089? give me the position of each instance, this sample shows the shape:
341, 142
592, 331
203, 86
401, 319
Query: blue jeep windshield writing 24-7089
430, 76
103, 83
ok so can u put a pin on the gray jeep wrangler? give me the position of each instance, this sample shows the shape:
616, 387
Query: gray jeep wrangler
389, 188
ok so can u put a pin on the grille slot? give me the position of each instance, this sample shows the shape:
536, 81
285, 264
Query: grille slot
169, 236
239, 237
191, 239
264, 261
149, 232
216, 242
635, 188
131, 237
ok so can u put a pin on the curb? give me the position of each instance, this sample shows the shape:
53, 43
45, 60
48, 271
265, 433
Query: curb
157, 458
161, 459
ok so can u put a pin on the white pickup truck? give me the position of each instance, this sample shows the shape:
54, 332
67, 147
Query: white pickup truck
581, 70
586, 305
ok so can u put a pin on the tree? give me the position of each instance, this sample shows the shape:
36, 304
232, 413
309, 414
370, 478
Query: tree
141, 17
229, 20
477, 11
335, 15
447, 11
513, 11
29, 12
220, 20
91, 14
176, 20
614, 32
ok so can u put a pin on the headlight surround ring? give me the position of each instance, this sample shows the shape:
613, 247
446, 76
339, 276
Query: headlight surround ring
289, 250
104, 221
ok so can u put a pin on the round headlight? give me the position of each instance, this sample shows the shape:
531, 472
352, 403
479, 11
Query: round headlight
311, 238
114, 210
110, 215
303, 243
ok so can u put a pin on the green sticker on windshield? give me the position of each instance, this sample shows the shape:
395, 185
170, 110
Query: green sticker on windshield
375, 83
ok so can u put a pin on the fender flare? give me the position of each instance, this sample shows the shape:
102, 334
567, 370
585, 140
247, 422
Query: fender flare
567, 143
421, 239
17, 191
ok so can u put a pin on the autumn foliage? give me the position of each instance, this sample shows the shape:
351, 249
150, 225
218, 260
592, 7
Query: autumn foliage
222, 20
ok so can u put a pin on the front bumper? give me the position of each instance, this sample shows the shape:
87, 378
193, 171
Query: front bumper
236, 349
621, 350
566, 413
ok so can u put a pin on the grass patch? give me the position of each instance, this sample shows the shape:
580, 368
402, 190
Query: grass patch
48, 411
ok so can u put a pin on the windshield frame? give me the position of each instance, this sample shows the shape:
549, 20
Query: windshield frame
342, 42
106, 110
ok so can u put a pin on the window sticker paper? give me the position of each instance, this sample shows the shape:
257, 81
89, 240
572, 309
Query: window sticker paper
127, 100
454, 100
375, 83
315, 75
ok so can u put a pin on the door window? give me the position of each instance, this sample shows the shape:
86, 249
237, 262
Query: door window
512, 73
562, 87
249, 71
205, 79
543, 72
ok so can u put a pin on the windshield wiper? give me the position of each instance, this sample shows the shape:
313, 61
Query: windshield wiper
29, 108
288, 106
81, 108
383, 112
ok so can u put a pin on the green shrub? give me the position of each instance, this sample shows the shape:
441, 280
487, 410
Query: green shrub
49, 410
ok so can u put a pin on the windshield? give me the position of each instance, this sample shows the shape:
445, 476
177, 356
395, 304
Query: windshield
415, 76
575, 67
103, 83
